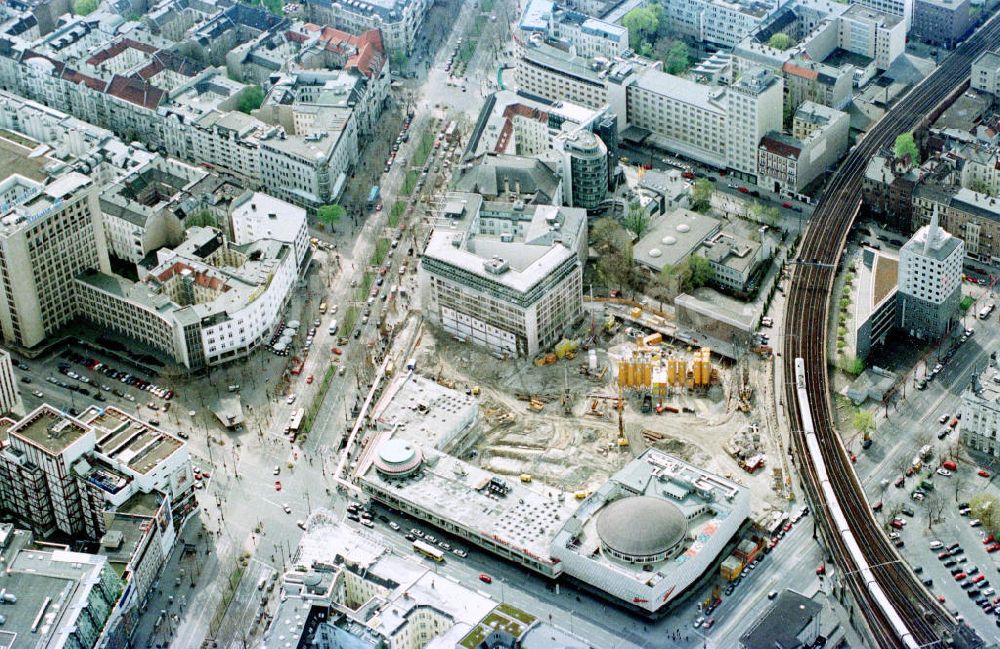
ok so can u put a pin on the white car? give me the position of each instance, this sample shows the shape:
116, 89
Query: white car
943, 418
288, 510
291, 399
944, 472
277, 469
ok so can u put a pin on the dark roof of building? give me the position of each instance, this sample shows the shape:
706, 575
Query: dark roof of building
781, 144
135, 91
780, 625
109, 53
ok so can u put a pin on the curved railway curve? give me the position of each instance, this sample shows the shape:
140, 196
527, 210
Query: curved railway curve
897, 609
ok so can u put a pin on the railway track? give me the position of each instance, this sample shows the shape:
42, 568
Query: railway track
805, 336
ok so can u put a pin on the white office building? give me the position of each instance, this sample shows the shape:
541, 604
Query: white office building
986, 73
981, 412
49, 233
255, 216
507, 276
930, 281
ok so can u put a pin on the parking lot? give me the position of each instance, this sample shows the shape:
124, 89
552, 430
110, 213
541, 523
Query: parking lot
920, 503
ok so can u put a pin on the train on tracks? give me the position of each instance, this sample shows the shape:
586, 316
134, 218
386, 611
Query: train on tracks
836, 513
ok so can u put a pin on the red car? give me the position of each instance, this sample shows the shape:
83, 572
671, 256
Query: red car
941, 598
786, 205
688, 174
989, 539
993, 548
944, 555
277, 485
821, 570
337, 350
978, 578
960, 576
486, 579
309, 379
743, 190
898, 524
983, 473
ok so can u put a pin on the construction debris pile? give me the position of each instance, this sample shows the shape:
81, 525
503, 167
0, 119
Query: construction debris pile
746, 447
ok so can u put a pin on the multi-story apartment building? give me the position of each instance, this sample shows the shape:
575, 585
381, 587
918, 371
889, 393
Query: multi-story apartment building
819, 83
554, 73
205, 302
589, 36
941, 22
49, 233
968, 215
10, 396
143, 211
753, 108
398, 20
508, 277
901, 8
790, 163
715, 21
986, 73
981, 412
930, 281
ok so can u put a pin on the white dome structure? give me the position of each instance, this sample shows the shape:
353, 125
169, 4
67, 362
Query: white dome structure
668, 240
683, 227
655, 252
641, 529
398, 458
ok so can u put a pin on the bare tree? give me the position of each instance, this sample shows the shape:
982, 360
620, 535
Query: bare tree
935, 508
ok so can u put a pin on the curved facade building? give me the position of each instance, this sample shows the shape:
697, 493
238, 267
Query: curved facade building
585, 169
398, 458
641, 529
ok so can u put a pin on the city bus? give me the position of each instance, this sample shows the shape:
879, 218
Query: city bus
296, 421
428, 550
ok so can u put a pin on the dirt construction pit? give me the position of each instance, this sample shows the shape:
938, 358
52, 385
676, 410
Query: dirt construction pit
551, 422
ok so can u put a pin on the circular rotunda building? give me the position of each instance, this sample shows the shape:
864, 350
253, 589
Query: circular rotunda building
398, 458
641, 529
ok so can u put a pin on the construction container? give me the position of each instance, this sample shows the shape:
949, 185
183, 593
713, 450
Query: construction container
581, 495
592, 360
652, 339
747, 550
731, 568
525, 477
565, 347
636, 312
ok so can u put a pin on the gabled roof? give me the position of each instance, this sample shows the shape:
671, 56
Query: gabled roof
117, 48
135, 91
365, 53
93, 83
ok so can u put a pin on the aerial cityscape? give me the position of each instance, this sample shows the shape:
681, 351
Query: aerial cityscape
499, 324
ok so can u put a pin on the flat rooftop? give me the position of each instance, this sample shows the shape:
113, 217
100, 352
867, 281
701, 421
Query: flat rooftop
673, 237
701, 96
423, 411
49, 429
526, 518
129, 440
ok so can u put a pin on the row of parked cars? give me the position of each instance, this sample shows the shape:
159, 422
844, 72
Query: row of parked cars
114, 374
972, 581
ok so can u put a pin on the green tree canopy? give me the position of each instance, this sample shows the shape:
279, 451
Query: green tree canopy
986, 508
641, 23
701, 195
637, 219
864, 421
251, 99
84, 7
701, 271
906, 148
330, 215
780, 41
677, 60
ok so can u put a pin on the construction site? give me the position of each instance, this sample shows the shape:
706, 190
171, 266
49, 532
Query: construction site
573, 416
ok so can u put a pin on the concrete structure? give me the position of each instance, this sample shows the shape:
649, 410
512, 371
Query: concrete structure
970, 216
682, 233
205, 302
887, 190
941, 22
793, 620
874, 34
899, 8
930, 281
634, 538
62, 474
399, 21
78, 593
255, 216
10, 396
505, 275
985, 74
49, 233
